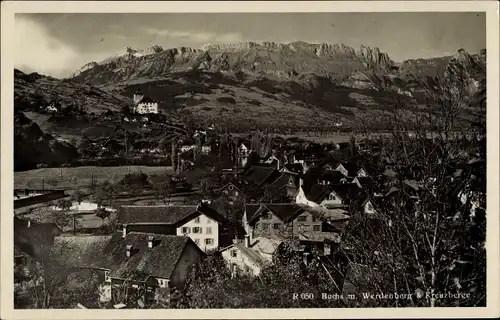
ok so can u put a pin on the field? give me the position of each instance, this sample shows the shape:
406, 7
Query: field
78, 177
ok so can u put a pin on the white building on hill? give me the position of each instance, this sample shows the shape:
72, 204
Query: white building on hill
143, 104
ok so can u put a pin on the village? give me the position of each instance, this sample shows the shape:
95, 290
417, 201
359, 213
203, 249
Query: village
241, 203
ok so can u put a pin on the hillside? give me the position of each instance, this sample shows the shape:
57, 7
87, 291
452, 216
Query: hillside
249, 85
32, 91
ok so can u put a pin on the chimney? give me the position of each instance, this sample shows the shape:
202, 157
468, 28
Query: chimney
128, 250
124, 231
150, 241
247, 241
29, 223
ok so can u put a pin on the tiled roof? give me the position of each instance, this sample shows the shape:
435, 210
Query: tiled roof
160, 261
283, 180
265, 245
35, 240
295, 167
331, 176
327, 214
259, 174
351, 168
78, 251
164, 214
318, 236
146, 100
251, 254
284, 211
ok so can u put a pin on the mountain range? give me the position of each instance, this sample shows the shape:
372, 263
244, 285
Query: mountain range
264, 84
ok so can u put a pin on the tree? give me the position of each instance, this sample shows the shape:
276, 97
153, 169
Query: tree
102, 213
416, 245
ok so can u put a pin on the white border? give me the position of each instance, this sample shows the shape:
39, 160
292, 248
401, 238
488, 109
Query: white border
7, 23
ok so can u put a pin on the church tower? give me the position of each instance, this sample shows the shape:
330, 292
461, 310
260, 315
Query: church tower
138, 96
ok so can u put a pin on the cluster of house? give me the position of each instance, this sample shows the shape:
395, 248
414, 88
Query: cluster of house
156, 245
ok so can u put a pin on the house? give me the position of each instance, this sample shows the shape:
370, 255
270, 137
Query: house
288, 181
150, 265
296, 168
351, 170
202, 223
259, 175
233, 190
326, 195
143, 104
54, 107
242, 256
329, 177
367, 184
268, 220
314, 228
243, 149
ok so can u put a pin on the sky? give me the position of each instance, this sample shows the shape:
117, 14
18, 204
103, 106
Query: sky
58, 44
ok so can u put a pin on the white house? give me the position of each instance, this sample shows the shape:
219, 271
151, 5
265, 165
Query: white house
249, 258
203, 230
199, 222
144, 105
324, 195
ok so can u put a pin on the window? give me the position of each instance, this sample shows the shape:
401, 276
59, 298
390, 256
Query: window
209, 230
185, 230
317, 228
264, 225
236, 193
267, 216
302, 218
209, 241
106, 276
276, 226
230, 187
332, 196
197, 230
197, 220
233, 253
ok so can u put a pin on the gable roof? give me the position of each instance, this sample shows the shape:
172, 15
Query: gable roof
165, 214
285, 211
250, 253
35, 240
146, 100
318, 192
294, 167
352, 168
331, 176
283, 180
159, 261
78, 251
327, 214
265, 245
259, 174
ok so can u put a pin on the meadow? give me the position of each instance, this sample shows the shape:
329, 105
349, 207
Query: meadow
79, 177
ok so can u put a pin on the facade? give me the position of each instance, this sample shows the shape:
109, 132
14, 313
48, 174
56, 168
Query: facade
202, 223
203, 230
249, 258
326, 195
149, 265
144, 105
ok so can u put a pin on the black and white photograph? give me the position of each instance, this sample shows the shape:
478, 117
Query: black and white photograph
250, 160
